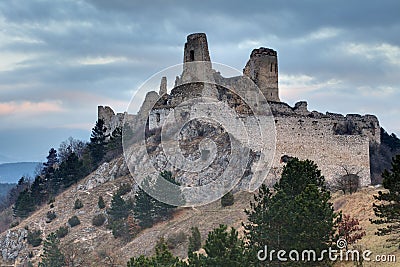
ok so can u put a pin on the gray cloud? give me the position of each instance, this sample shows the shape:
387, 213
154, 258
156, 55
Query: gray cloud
69, 56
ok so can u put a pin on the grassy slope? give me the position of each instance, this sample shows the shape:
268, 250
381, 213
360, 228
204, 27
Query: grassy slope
94, 243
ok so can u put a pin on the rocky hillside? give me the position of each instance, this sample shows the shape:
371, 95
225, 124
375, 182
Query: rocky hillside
88, 245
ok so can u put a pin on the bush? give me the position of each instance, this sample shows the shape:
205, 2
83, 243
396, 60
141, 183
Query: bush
34, 238
176, 239
227, 200
62, 231
74, 221
51, 200
98, 220
348, 183
78, 204
101, 203
51, 215
124, 189
13, 224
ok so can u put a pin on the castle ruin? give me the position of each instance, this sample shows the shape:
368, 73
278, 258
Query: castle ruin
333, 141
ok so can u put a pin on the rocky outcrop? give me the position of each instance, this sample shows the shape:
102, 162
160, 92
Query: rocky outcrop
12, 244
108, 171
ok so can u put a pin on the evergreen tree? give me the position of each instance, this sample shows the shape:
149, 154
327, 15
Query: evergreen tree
38, 190
149, 210
70, 171
98, 141
388, 210
144, 207
299, 216
52, 256
118, 214
164, 211
223, 248
24, 204
52, 160
101, 203
194, 240
118, 209
163, 257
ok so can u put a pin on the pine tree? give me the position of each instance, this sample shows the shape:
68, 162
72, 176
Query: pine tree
163, 257
24, 204
297, 216
52, 160
118, 209
149, 210
101, 203
194, 240
223, 248
144, 207
70, 171
98, 142
388, 210
52, 256
164, 211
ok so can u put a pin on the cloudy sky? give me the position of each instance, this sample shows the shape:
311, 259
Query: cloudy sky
60, 59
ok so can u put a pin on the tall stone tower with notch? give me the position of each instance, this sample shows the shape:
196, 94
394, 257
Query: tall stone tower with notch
196, 59
262, 68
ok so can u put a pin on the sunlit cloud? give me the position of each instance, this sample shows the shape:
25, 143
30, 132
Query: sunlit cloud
29, 108
298, 86
101, 60
388, 52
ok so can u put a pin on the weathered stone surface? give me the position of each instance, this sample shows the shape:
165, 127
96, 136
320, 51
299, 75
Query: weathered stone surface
262, 68
12, 244
163, 86
331, 140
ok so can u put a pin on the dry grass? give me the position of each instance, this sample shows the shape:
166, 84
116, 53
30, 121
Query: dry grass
97, 246
359, 205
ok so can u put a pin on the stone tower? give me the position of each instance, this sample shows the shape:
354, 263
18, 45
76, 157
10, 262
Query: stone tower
262, 68
196, 59
196, 48
163, 86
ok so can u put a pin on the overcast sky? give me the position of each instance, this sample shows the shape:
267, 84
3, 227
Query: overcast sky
59, 60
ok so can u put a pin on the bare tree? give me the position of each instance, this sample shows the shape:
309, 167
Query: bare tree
348, 182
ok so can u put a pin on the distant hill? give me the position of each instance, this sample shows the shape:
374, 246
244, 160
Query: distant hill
12, 172
4, 188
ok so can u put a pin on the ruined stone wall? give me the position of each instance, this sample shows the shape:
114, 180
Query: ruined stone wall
111, 120
262, 68
310, 138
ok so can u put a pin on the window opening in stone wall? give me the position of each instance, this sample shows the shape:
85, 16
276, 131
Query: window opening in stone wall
191, 55
270, 69
158, 117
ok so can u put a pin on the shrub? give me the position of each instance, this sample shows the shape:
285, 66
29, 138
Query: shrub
176, 239
348, 183
124, 189
78, 204
13, 224
34, 238
101, 203
62, 231
51, 200
98, 220
74, 221
227, 200
51, 215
